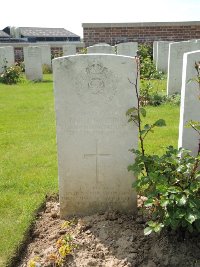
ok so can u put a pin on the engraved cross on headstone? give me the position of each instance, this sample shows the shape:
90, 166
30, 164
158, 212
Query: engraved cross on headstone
97, 155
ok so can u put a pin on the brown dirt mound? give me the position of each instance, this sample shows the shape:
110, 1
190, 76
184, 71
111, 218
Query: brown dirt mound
106, 240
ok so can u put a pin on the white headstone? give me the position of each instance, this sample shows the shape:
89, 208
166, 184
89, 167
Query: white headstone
69, 50
162, 56
2, 59
10, 56
101, 49
92, 95
155, 48
33, 63
46, 54
175, 64
190, 103
7, 57
127, 49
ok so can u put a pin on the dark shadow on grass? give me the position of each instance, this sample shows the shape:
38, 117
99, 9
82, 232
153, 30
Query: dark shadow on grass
47, 81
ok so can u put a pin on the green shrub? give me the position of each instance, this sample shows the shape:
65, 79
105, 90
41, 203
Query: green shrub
145, 50
147, 67
56, 54
82, 51
46, 69
156, 99
174, 99
170, 182
148, 96
11, 75
21, 65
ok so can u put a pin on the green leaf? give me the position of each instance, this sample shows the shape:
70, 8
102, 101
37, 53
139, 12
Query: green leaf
143, 132
148, 203
147, 231
135, 118
158, 227
143, 112
131, 110
147, 127
160, 123
191, 218
182, 201
164, 202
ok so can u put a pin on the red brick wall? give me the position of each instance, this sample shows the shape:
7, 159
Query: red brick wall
139, 32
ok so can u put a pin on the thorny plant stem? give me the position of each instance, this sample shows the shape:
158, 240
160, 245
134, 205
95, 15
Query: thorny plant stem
138, 106
138, 112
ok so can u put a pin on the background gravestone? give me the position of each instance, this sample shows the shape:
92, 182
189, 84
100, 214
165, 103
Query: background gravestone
101, 48
190, 103
127, 49
69, 50
92, 95
46, 55
9, 55
175, 64
2, 59
155, 47
33, 63
162, 56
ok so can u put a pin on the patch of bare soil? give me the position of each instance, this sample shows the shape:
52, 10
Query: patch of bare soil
106, 240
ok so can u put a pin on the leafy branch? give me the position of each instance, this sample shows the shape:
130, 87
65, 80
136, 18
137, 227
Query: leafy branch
170, 182
135, 115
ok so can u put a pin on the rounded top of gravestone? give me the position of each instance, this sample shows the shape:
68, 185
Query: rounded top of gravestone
101, 44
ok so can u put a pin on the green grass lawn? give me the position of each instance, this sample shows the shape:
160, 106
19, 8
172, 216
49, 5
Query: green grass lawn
28, 159
162, 137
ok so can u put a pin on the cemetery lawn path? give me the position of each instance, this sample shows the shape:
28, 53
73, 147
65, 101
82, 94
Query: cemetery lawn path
28, 169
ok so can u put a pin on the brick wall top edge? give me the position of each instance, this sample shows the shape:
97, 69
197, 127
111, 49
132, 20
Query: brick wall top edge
139, 24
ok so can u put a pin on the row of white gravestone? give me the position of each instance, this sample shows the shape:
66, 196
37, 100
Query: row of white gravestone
35, 57
125, 49
92, 95
168, 57
181, 73
7, 57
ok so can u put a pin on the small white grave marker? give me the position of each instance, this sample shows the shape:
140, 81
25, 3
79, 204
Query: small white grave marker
33, 63
69, 50
101, 49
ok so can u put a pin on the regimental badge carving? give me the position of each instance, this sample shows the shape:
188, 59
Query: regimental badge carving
99, 81
96, 78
